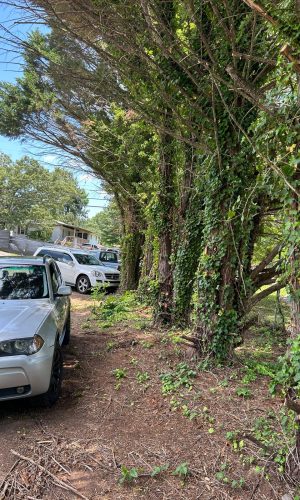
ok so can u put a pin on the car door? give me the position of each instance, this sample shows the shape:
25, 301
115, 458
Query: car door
61, 304
66, 265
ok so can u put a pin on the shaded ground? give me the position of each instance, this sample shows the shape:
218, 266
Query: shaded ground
110, 425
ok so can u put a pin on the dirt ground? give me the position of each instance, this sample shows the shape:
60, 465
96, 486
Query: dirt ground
104, 426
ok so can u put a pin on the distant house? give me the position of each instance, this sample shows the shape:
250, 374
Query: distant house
64, 233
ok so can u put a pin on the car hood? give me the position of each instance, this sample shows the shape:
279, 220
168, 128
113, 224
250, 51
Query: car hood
103, 269
22, 318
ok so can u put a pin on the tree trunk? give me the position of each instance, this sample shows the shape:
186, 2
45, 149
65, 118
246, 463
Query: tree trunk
187, 260
164, 223
132, 246
295, 263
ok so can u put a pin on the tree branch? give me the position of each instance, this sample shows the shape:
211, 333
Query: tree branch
259, 10
263, 264
264, 293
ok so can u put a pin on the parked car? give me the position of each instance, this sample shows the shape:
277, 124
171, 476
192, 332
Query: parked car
81, 269
34, 324
107, 258
89, 246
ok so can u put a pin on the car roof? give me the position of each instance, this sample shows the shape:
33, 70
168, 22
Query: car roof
64, 249
20, 260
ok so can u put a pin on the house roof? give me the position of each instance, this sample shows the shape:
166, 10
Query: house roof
70, 226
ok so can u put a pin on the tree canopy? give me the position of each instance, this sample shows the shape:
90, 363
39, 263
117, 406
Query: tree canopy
33, 197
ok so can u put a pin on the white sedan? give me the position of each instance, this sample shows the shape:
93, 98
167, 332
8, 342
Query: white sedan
34, 324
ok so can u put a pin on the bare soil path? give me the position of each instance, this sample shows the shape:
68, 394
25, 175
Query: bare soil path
103, 425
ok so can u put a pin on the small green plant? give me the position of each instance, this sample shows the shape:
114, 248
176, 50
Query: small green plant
119, 373
181, 376
182, 470
187, 412
128, 475
233, 438
224, 383
142, 377
238, 483
115, 308
249, 377
204, 365
243, 392
222, 477
110, 345
147, 344
133, 361
159, 469
174, 403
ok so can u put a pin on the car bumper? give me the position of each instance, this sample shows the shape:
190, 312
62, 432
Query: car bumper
109, 283
30, 372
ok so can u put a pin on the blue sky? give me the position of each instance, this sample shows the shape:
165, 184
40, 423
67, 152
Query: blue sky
10, 69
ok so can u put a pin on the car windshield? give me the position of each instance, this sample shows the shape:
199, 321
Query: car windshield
23, 282
87, 260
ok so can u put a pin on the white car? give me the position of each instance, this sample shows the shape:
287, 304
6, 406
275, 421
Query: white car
81, 269
34, 324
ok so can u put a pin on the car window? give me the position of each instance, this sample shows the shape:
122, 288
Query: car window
86, 259
111, 257
55, 277
47, 252
63, 257
23, 282
56, 255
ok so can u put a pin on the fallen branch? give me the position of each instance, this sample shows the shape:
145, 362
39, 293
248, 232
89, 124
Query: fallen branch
58, 481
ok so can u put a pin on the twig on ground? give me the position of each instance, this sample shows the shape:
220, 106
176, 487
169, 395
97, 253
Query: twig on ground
55, 478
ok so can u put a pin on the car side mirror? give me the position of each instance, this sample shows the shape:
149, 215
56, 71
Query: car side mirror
70, 263
64, 291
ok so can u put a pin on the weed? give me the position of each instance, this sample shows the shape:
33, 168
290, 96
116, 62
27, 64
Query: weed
119, 373
238, 484
224, 383
159, 469
180, 377
142, 324
110, 345
182, 470
115, 308
142, 377
187, 412
133, 361
147, 344
243, 392
204, 365
249, 377
128, 475
174, 403
233, 438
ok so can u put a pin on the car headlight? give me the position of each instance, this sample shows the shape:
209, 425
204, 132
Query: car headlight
21, 346
98, 274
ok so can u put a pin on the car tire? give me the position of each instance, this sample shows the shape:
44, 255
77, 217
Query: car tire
67, 334
51, 396
83, 284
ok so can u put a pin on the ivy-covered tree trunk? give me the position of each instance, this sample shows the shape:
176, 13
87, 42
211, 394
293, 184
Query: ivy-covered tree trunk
295, 261
227, 231
187, 259
132, 245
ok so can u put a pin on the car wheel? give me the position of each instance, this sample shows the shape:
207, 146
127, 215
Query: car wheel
83, 284
67, 334
51, 396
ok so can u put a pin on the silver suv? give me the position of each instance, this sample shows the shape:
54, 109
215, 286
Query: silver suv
34, 324
81, 269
